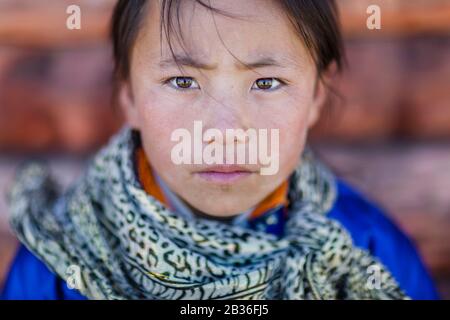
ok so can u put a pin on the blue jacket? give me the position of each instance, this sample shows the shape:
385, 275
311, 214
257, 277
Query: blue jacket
370, 229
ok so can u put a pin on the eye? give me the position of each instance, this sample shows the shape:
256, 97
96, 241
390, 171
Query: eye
267, 84
182, 83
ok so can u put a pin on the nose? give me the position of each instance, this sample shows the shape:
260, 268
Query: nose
227, 111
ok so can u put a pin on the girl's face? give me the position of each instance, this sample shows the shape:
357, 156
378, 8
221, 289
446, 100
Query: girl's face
216, 88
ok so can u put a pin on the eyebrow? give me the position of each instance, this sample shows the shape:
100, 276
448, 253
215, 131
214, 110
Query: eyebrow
188, 61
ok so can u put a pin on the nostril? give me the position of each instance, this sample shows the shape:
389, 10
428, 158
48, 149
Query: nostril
229, 135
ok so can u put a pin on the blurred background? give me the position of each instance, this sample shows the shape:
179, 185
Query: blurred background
390, 138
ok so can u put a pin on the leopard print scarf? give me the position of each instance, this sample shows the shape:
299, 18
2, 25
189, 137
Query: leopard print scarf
127, 245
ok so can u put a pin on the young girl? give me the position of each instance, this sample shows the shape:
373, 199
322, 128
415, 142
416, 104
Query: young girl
140, 224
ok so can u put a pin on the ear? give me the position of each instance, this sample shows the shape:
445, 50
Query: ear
317, 103
126, 101
320, 94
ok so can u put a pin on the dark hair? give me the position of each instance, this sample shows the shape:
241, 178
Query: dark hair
315, 20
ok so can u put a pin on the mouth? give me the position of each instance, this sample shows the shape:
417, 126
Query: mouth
224, 174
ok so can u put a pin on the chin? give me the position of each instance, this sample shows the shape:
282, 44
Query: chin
222, 209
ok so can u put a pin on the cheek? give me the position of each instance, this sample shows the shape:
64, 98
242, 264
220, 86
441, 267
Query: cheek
292, 141
165, 111
292, 121
158, 119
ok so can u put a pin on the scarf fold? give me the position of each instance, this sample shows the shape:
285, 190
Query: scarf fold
108, 238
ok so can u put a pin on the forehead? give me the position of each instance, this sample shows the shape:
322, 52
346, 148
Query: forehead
245, 30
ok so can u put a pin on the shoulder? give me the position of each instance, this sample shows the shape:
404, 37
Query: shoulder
362, 217
371, 229
30, 279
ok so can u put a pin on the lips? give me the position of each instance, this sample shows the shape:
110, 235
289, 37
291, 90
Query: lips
224, 173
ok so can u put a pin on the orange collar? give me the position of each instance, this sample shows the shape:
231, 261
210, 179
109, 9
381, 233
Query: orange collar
275, 199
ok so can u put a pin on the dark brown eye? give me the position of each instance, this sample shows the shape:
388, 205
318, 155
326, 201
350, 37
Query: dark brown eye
183, 82
266, 84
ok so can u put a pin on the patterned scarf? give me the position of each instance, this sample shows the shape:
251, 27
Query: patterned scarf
126, 245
